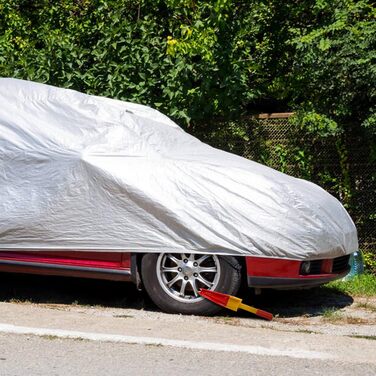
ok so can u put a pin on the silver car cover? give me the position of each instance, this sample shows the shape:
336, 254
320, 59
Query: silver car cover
90, 173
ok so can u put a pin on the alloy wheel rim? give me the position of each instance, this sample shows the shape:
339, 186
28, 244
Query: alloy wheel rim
182, 275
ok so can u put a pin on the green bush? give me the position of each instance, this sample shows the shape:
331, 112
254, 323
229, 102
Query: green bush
370, 261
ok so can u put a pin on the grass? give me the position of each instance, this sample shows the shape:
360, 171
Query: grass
332, 315
362, 285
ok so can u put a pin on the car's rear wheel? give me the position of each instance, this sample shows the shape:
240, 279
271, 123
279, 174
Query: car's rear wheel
173, 281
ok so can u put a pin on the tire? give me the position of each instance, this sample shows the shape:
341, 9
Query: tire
219, 273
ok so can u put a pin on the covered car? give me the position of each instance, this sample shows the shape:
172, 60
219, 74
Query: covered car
92, 174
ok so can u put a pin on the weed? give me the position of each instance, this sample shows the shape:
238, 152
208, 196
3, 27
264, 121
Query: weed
50, 337
332, 315
153, 345
20, 301
363, 337
306, 331
335, 317
123, 316
367, 306
355, 320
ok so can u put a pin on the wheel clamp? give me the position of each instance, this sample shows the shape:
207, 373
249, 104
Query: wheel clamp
233, 303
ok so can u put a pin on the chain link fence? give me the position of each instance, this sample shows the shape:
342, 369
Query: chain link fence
342, 167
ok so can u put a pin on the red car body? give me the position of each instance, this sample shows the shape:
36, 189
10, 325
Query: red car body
124, 266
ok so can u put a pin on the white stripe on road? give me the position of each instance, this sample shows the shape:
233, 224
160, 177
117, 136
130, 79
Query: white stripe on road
209, 346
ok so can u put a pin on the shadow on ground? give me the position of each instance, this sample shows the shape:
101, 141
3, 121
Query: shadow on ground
77, 291
294, 303
69, 291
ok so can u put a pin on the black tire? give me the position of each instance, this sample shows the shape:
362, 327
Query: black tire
229, 281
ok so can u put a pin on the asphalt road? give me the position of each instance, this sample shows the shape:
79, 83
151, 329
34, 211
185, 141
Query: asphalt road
29, 355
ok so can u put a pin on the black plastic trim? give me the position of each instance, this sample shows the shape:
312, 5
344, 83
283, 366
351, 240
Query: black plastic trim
291, 283
135, 274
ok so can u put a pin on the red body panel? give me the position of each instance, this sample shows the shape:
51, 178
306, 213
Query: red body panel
101, 265
267, 267
118, 266
280, 268
73, 258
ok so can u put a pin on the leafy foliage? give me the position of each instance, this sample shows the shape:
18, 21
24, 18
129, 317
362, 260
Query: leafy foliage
177, 56
208, 63
334, 69
199, 60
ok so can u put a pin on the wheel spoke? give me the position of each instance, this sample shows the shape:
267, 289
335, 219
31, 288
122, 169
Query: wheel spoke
182, 288
202, 259
204, 281
173, 280
173, 258
209, 269
169, 270
194, 287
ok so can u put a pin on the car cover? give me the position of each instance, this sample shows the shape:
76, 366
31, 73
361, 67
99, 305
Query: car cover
81, 172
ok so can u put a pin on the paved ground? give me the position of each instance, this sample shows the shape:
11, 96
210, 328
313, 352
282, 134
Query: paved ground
28, 355
57, 326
